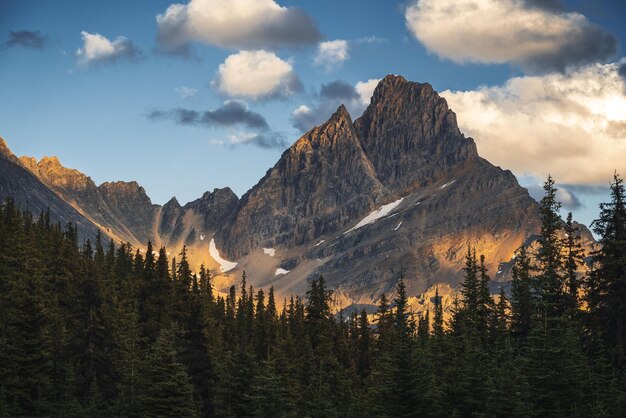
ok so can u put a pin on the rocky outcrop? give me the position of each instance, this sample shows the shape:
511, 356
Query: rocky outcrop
124, 211
216, 208
410, 136
132, 206
319, 184
407, 149
399, 188
25, 188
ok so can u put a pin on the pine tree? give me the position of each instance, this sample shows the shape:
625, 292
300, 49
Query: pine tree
166, 388
574, 258
523, 297
606, 285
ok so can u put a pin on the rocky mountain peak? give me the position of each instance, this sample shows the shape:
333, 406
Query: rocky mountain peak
30, 163
119, 191
66, 180
341, 115
172, 204
6, 152
410, 135
217, 198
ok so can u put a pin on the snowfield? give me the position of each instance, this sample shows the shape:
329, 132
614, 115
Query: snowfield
376, 215
280, 271
269, 251
447, 184
225, 265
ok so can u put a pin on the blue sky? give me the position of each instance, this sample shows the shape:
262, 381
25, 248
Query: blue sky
119, 95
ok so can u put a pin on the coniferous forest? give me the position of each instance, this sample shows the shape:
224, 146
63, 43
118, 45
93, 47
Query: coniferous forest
93, 329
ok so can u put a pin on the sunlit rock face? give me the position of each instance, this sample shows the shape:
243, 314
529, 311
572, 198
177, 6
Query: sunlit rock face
398, 189
19, 183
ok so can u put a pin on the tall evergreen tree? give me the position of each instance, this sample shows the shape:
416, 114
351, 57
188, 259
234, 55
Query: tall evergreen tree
606, 286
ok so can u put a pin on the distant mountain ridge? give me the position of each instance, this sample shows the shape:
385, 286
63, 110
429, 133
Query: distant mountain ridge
400, 187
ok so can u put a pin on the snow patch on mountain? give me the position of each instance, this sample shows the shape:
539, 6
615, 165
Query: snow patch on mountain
269, 251
280, 271
225, 265
447, 184
376, 215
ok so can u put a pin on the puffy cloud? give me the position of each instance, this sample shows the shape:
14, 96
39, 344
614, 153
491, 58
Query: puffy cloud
331, 95
241, 24
256, 74
304, 118
331, 53
26, 39
538, 35
365, 89
231, 113
186, 92
97, 49
572, 125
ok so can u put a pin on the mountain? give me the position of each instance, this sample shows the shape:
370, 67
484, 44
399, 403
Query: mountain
18, 183
399, 188
123, 210
319, 184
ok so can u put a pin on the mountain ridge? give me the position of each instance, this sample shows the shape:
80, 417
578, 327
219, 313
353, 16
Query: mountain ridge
398, 187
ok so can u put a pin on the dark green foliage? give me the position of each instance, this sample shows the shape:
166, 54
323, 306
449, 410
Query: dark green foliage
93, 330
166, 390
606, 284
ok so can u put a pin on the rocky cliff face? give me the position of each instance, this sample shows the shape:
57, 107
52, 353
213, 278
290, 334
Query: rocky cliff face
20, 184
123, 210
410, 136
317, 186
399, 188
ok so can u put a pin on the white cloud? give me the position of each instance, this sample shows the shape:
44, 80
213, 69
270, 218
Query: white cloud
572, 125
256, 74
504, 31
331, 53
98, 49
186, 92
245, 24
302, 110
365, 89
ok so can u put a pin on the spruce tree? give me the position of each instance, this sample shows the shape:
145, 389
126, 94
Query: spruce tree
606, 285
166, 389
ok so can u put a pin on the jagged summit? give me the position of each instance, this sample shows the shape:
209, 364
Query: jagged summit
5, 151
172, 203
341, 114
350, 199
399, 184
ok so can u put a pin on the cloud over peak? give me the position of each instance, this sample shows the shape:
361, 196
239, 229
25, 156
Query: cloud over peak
97, 49
538, 35
239, 24
256, 74
572, 124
